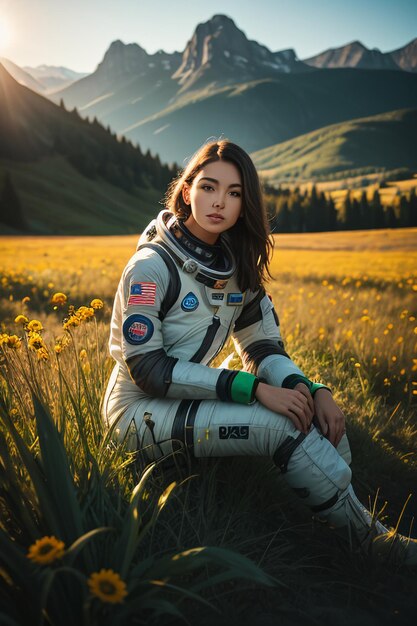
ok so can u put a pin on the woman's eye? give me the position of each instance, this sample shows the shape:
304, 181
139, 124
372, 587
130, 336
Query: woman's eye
237, 194
206, 187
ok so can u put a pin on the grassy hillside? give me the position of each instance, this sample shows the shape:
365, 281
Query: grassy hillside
59, 200
380, 142
70, 175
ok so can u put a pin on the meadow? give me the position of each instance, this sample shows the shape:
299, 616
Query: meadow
138, 544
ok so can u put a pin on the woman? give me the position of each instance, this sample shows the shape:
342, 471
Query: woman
197, 278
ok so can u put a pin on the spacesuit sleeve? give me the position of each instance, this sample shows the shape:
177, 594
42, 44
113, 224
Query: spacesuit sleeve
142, 291
258, 341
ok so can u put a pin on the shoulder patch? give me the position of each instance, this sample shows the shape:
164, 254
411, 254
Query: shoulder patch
190, 302
137, 329
142, 293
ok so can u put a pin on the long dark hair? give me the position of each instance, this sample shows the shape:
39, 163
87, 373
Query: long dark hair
250, 236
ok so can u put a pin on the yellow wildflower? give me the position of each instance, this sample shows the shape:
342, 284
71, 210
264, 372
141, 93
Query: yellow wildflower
21, 319
357, 365
108, 586
42, 354
73, 320
25, 299
35, 325
84, 312
376, 340
35, 341
96, 303
46, 550
4, 338
14, 342
59, 298
83, 354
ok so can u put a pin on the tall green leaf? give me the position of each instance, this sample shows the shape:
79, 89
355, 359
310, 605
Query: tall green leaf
58, 475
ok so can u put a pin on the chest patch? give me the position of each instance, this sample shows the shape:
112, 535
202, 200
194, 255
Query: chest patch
137, 329
190, 302
235, 299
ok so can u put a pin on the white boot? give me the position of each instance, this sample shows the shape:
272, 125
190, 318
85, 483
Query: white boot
373, 537
319, 475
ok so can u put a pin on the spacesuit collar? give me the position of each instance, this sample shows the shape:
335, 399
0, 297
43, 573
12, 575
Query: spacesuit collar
191, 258
199, 249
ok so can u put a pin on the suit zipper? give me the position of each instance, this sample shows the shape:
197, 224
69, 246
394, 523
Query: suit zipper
207, 341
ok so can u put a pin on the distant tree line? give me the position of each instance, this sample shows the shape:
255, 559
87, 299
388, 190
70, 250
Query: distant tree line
92, 149
293, 211
289, 211
99, 153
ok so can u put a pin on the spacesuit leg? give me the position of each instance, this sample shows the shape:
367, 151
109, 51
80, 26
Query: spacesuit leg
309, 463
319, 475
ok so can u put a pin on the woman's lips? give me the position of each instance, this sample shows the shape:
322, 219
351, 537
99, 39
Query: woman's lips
215, 217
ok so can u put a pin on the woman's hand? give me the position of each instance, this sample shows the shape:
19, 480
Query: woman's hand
291, 403
331, 418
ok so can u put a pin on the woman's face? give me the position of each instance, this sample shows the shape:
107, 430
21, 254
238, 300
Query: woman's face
215, 196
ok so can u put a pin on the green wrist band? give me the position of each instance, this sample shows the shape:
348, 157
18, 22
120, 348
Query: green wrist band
292, 381
244, 387
316, 386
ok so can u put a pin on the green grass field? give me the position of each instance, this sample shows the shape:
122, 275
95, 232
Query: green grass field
347, 306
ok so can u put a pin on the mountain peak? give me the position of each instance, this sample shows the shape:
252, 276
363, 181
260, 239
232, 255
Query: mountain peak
220, 52
121, 58
353, 54
356, 44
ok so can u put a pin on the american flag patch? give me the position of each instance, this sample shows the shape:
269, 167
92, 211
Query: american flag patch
142, 293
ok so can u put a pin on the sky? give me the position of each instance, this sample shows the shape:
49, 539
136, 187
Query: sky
77, 33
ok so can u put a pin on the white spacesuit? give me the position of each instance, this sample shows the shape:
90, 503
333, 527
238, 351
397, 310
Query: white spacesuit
177, 304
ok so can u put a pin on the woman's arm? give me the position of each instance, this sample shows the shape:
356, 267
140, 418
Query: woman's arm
259, 343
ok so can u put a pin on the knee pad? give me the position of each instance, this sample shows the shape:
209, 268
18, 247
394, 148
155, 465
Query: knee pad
314, 469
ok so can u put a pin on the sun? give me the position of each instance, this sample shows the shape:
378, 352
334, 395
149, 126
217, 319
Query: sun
5, 34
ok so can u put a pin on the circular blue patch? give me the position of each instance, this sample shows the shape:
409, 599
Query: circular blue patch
190, 302
137, 329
